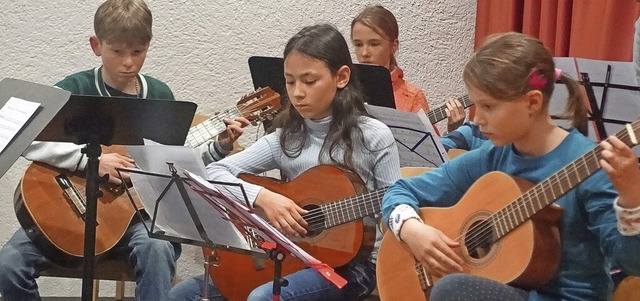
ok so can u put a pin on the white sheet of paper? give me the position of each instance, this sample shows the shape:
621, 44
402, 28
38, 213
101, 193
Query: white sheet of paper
173, 217
13, 116
418, 144
241, 213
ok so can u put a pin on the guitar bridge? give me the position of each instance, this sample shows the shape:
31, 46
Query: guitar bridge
72, 195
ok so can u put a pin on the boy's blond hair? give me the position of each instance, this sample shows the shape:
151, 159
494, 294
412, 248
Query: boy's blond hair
123, 21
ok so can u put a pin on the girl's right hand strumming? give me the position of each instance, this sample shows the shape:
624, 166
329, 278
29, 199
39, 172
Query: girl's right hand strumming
283, 213
431, 248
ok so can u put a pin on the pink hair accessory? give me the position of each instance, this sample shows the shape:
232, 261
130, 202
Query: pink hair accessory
557, 74
536, 80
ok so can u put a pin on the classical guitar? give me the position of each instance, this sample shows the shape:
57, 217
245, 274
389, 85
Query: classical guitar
337, 232
506, 227
52, 205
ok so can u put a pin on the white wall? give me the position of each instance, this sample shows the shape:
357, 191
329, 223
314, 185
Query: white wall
200, 48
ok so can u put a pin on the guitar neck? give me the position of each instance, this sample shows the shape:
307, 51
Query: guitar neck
557, 185
210, 128
351, 209
440, 113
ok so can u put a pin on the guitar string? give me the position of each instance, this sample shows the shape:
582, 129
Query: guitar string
484, 230
583, 161
318, 214
200, 129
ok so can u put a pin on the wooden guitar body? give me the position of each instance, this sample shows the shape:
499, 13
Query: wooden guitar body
44, 210
236, 275
526, 257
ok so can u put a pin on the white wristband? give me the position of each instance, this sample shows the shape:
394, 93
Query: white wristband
628, 219
399, 215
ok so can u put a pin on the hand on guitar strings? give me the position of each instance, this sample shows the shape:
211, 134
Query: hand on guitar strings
108, 164
431, 248
621, 164
235, 128
455, 114
283, 213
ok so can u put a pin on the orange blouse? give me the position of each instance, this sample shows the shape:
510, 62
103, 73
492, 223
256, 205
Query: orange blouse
408, 97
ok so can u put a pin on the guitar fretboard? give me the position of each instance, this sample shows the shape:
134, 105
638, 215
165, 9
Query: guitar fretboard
351, 209
440, 113
210, 128
552, 188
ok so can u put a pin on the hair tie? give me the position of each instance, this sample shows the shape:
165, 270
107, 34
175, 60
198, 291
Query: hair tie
536, 80
557, 74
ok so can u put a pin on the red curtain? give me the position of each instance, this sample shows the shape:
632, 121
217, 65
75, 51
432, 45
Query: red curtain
596, 29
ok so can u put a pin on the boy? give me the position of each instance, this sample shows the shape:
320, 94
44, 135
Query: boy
122, 36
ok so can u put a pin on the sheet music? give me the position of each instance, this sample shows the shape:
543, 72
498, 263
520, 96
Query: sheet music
418, 145
241, 213
13, 117
173, 216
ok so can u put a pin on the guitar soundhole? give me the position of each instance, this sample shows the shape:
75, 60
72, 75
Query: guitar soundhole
315, 220
479, 239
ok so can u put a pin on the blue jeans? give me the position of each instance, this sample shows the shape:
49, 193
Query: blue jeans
153, 262
305, 284
454, 287
191, 289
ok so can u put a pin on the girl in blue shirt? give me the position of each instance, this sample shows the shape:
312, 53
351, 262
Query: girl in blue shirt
510, 80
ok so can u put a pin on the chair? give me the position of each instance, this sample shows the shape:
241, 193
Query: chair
109, 269
407, 172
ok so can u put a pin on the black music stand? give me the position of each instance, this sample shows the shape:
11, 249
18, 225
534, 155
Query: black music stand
611, 89
375, 80
96, 121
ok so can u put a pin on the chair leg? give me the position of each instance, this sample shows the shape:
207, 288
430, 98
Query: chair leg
119, 290
96, 289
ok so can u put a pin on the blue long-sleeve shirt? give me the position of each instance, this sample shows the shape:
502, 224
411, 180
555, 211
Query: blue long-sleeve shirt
466, 137
587, 228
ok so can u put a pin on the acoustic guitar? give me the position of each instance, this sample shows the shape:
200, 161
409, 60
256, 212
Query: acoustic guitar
337, 232
506, 227
236, 275
50, 204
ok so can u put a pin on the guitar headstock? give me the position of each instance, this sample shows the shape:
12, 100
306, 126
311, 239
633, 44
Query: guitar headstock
259, 105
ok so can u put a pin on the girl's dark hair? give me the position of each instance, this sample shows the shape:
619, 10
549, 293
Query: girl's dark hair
325, 43
505, 64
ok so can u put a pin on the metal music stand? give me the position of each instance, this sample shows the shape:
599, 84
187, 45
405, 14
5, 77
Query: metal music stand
51, 100
178, 213
96, 121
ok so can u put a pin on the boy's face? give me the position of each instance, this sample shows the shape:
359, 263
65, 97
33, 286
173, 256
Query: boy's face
121, 62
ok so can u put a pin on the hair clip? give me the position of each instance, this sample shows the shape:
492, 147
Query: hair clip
536, 80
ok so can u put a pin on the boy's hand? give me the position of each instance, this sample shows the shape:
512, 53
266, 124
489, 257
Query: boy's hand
235, 128
621, 164
109, 163
455, 114
431, 247
283, 213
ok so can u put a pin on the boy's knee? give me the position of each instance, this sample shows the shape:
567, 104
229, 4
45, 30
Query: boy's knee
9, 261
